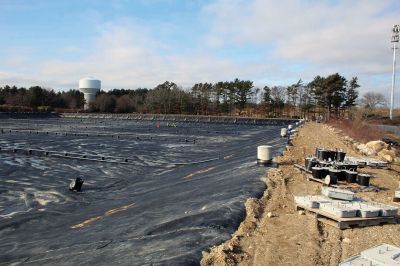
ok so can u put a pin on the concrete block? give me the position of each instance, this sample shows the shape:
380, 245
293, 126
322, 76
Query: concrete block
341, 211
368, 211
337, 193
383, 254
386, 210
311, 201
357, 261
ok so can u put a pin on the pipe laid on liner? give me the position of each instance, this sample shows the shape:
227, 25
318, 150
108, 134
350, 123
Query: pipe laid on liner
124, 160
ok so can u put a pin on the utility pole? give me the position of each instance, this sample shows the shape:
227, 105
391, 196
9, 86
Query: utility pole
395, 40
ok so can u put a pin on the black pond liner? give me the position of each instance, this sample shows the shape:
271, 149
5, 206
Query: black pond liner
148, 212
363, 179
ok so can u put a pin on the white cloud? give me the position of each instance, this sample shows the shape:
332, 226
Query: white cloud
349, 37
353, 34
308, 38
125, 55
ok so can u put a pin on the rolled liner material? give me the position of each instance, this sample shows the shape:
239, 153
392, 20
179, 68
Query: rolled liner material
363, 179
340, 155
332, 155
318, 172
351, 176
335, 173
306, 162
326, 172
310, 162
342, 175
330, 180
349, 166
264, 153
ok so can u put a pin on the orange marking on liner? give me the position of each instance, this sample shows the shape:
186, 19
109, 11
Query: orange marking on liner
96, 218
199, 172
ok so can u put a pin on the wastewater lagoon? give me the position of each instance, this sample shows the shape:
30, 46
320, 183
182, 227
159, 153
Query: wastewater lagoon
154, 192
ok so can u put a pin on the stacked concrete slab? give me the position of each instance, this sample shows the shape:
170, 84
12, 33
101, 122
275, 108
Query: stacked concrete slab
382, 254
342, 204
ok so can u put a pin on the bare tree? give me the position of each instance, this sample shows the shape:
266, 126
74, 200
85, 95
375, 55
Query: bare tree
278, 94
372, 99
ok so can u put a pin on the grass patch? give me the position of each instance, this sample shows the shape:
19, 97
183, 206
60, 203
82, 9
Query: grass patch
358, 130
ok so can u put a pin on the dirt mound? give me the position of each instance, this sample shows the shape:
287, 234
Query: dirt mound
275, 234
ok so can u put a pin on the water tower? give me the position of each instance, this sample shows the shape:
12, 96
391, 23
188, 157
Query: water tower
89, 86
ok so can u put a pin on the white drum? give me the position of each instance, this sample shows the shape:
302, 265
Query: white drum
264, 154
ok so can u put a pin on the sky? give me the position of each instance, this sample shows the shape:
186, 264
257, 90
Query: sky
142, 43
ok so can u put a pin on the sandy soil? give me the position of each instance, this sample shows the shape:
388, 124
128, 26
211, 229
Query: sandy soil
274, 233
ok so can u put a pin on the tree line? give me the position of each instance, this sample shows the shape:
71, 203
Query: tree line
330, 95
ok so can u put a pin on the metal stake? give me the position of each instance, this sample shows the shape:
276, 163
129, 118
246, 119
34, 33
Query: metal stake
393, 81
395, 39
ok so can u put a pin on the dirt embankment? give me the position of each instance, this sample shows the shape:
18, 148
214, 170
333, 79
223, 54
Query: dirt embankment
274, 233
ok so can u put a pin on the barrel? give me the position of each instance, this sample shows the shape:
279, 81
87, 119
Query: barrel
264, 154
